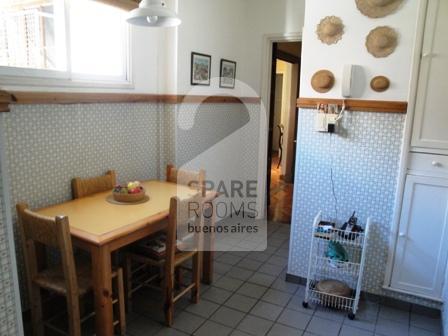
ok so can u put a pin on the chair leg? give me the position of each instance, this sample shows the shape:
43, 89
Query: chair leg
74, 318
169, 299
121, 304
128, 262
196, 277
36, 311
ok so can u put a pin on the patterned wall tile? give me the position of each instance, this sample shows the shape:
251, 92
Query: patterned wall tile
48, 145
8, 318
364, 161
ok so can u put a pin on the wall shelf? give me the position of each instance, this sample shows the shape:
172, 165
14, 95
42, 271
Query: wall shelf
381, 106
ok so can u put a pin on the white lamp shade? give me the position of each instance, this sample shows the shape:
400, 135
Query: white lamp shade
153, 13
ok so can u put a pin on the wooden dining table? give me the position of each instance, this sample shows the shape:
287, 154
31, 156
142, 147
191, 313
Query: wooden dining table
101, 227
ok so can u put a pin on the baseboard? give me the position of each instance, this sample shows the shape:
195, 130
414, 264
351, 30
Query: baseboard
373, 297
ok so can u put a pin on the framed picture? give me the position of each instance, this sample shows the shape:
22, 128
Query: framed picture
200, 69
227, 74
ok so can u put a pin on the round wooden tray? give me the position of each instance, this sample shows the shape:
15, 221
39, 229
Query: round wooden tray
112, 200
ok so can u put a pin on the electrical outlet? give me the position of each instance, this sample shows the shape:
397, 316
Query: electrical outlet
326, 122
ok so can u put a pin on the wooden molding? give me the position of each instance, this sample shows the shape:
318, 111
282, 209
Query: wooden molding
6, 98
23, 97
357, 104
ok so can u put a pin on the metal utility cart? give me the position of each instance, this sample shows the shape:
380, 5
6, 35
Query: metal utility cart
349, 272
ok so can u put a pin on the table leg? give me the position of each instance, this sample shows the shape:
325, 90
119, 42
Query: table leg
209, 245
102, 286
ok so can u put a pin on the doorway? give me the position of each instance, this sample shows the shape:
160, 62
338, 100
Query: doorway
285, 83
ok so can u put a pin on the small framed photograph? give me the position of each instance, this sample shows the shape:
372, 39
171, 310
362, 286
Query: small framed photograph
200, 69
227, 74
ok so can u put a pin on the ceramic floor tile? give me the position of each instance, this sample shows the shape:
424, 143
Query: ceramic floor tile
266, 310
165, 331
413, 331
262, 279
212, 328
390, 328
252, 290
250, 264
203, 308
239, 273
351, 331
282, 330
396, 315
323, 327
276, 297
241, 302
426, 322
284, 286
255, 326
217, 295
228, 316
187, 322
294, 319
227, 283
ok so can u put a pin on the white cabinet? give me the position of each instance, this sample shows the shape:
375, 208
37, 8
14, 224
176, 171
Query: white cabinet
430, 132
422, 243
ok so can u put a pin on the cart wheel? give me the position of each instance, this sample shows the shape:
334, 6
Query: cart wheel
351, 316
305, 304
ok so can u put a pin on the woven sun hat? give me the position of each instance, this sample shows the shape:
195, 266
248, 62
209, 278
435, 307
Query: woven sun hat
380, 83
322, 81
330, 30
382, 41
378, 8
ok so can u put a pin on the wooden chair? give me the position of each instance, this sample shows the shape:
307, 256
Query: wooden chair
181, 214
86, 187
186, 177
38, 233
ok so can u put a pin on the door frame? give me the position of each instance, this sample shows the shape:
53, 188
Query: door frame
266, 71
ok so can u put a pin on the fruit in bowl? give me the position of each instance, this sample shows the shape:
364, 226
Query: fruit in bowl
129, 193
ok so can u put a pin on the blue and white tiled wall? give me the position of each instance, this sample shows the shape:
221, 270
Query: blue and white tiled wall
364, 159
8, 316
47, 145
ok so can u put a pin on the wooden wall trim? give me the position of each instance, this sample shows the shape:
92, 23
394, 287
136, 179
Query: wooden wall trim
357, 104
6, 98
22, 97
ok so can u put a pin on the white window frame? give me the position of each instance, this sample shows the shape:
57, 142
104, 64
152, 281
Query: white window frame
17, 76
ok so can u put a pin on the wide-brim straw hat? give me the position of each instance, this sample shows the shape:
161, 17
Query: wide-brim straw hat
378, 8
322, 81
330, 30
382, 41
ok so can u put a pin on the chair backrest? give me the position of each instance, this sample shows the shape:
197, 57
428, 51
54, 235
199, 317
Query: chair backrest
39, 232
184, 214
89, 186
189, 178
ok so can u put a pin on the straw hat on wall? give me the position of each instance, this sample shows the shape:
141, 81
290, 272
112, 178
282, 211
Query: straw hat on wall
382, 41
378, 8
330, 30
380, 83
322, 81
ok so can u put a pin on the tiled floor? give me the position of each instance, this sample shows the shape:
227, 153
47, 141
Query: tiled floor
280, 207
250, 297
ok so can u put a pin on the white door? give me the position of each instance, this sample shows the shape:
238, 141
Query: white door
431, 110
421, 250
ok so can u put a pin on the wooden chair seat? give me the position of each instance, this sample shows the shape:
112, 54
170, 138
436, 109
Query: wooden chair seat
53, 279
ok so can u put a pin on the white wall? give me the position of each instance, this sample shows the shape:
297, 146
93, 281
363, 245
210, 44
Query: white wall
351, 49
268, 17
216, 28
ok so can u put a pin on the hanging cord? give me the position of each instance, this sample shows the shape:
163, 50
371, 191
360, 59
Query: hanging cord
333, 189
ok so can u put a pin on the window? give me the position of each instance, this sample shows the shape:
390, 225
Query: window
71, 41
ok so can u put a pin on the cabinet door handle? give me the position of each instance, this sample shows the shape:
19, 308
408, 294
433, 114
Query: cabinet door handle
436, 164
402, 235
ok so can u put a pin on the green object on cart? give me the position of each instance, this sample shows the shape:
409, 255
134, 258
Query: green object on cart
336, 252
